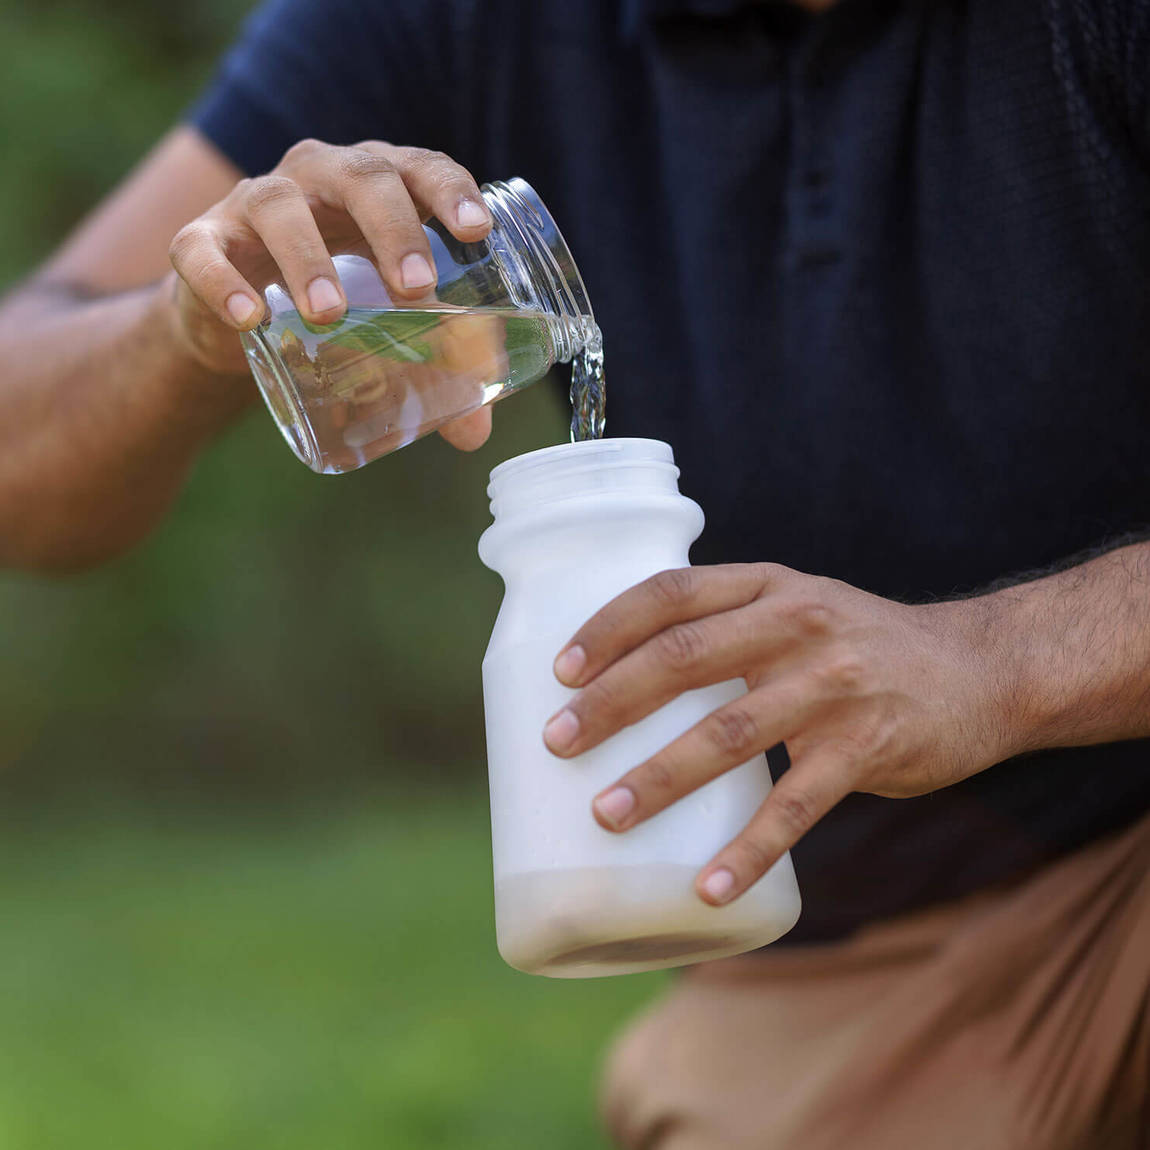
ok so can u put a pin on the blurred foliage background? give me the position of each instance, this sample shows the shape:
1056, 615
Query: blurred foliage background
244, 859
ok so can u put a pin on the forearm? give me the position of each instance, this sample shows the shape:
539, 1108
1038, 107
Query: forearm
102, 411
1073, 651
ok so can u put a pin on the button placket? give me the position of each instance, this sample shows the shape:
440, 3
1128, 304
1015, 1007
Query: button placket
816, 234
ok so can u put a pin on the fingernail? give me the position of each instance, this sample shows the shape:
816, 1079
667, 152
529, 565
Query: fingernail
570, 664
469, 214
615, 805
241, 307
416, 271
719, 884
323, 295
560, 732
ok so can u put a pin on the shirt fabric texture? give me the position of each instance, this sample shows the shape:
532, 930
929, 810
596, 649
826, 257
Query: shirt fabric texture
881, 277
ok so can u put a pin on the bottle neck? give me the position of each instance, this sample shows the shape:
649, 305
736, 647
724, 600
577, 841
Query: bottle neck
622, 490
536, 264
582, 470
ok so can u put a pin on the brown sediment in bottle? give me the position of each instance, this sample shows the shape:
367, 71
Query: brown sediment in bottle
598, 921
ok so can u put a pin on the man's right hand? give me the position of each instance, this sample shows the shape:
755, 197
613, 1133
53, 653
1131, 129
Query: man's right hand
283, 226
118, 371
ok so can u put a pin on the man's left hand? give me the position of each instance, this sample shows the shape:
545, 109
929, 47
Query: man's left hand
867, 694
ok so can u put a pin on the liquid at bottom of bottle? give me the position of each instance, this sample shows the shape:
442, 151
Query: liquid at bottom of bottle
596, 921
383, 377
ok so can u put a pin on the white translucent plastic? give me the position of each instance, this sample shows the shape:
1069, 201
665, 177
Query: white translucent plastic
574, 526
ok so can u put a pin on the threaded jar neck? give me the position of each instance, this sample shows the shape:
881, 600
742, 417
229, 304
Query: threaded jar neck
536, 264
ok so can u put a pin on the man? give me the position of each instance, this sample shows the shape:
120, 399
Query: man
881, 275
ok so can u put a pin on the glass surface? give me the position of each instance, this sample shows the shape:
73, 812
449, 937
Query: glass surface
383, 377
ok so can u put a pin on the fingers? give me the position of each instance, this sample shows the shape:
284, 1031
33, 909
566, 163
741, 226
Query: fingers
199, 259
384, 189
276, 209
472, 352
666, 599
368, 187
725, 739
803, 795
681, 657
388, 190
469, 433
439, 187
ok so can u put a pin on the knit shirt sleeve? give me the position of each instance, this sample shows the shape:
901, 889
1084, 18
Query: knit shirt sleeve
342, 71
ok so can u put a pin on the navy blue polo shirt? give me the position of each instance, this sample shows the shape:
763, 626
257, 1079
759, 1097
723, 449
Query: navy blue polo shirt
881, 277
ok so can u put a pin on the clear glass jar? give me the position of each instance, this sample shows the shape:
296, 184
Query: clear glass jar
575, 526
503, 311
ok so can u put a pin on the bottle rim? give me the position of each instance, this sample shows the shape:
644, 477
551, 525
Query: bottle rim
582, 469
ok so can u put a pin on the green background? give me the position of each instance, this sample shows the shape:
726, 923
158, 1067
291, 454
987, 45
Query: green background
244, 856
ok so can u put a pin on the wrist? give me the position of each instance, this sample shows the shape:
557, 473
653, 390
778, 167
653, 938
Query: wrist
200, 390
1004, 695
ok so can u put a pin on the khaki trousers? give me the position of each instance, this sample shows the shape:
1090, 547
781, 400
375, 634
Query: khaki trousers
1015, 1020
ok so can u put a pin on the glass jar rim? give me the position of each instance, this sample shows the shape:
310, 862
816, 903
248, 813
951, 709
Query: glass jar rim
518, 208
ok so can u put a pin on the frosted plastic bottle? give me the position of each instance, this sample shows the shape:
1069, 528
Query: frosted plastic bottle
574, 526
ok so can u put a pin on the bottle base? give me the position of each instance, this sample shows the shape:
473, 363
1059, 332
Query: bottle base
601, 921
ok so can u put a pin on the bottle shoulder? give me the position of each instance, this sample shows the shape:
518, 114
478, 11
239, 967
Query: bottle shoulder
603, 530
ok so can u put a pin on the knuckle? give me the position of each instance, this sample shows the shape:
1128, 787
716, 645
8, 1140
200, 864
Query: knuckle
682, 646
841, 673
672, 588
866, 738
443, 174
301, 263
795, 809
213, 269
809, 618
359, 164
302, 149
186, 241
600, 698
424, 160
772, 574
732, 731
753, 854
657, 776
854, 746
271, 191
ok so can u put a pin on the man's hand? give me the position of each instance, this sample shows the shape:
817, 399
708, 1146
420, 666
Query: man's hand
285, 224
118, 371
868, 695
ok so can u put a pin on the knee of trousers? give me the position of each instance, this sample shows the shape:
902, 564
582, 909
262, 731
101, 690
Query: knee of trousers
630, 1103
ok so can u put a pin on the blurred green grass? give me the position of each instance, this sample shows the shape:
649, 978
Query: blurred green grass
283, 983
